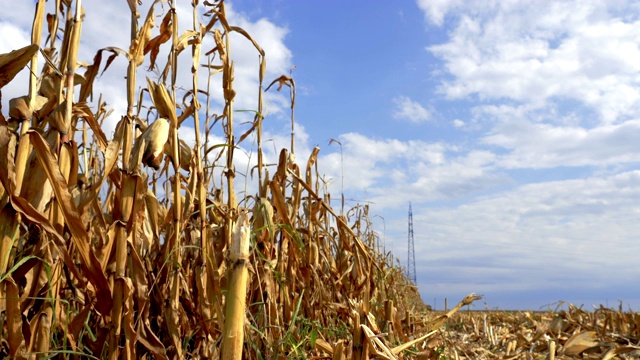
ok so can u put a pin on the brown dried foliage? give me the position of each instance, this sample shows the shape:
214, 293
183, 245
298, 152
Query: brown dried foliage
102, 257
569, 332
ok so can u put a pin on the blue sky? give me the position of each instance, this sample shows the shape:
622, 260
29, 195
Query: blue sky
511, 126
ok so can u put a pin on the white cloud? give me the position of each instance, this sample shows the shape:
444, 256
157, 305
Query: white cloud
529, 137
390, 172
271, 38
410, 110
435, 10
13, 38
529, 53
372, 167
548, 146
15, 28
458, 123
554, 86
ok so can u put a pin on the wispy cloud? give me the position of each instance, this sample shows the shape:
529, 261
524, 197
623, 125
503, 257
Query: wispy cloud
407, 109
435, 10
458, 123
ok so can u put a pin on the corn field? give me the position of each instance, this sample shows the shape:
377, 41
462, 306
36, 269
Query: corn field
135, 244
125, 245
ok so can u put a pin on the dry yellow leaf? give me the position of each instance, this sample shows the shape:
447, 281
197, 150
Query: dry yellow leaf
12, 63
137, 48
580, 342
614, 352
154, 44
19, 108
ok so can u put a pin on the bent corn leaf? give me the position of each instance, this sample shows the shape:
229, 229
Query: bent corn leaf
12, 63
79, 236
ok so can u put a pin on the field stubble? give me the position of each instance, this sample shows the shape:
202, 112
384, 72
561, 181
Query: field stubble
567, 332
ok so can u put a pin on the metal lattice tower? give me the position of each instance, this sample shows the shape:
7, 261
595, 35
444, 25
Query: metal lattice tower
411, 259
